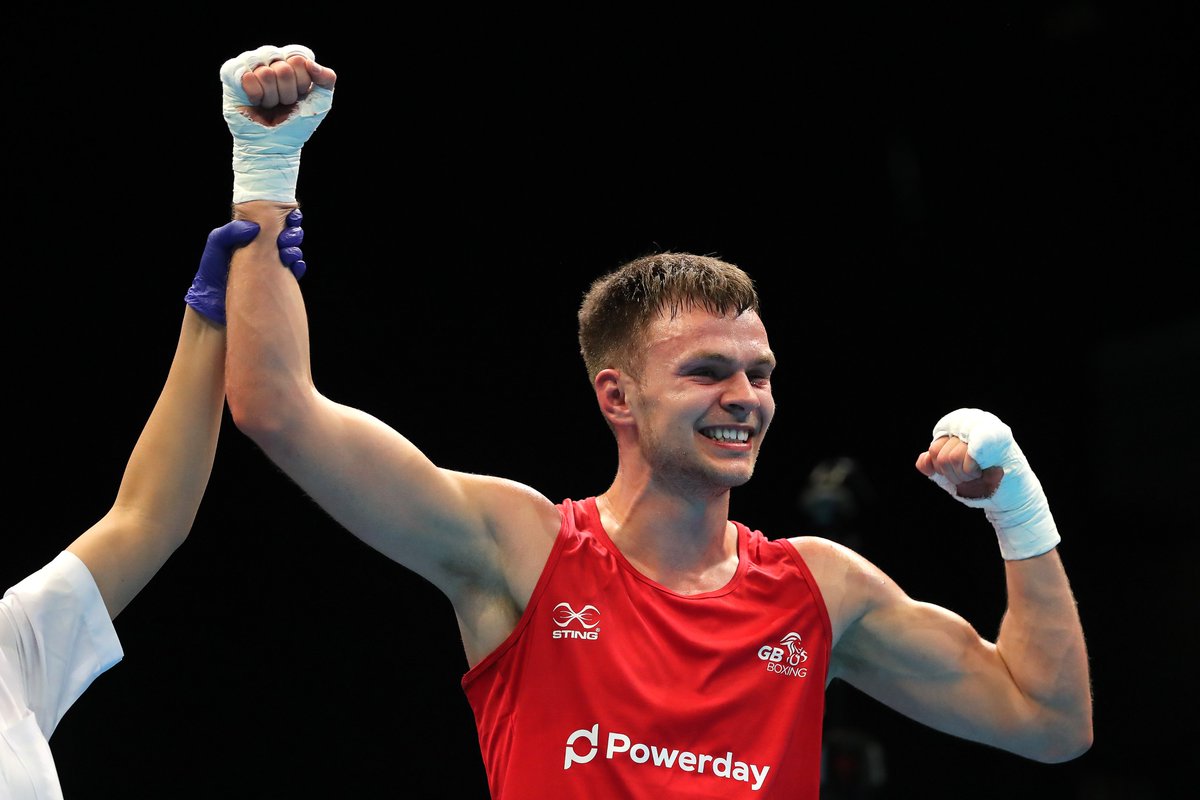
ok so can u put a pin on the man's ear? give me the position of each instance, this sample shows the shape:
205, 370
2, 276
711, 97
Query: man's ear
611, 387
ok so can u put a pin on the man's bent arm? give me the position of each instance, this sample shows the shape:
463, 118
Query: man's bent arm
1028, 693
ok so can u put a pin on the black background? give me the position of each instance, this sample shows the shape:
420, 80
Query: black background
942, 208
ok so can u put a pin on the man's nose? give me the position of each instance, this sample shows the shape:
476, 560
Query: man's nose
739, 395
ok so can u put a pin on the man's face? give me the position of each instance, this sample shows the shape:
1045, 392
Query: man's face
702, 401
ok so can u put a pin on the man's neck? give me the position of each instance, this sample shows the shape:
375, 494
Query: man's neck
685, 543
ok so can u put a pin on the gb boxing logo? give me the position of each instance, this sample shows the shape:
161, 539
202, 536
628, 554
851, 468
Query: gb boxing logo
572, 624
786, 658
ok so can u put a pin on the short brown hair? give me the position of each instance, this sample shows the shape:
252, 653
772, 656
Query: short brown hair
619, 306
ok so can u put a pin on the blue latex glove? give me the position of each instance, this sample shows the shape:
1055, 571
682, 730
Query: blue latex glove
207, 292
289, 244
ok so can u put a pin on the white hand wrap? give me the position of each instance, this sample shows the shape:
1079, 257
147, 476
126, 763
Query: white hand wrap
1018, 509
266, 160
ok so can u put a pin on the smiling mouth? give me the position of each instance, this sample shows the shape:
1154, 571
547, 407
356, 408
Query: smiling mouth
732, 435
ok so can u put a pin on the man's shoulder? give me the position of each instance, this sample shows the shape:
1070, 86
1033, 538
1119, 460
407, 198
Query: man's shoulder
823, 555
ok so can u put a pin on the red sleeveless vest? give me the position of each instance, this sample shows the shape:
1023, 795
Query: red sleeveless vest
612, 686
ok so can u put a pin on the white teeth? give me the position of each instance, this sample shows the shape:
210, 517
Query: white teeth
727, 434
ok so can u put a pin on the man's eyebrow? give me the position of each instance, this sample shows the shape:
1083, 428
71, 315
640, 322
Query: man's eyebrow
767, 359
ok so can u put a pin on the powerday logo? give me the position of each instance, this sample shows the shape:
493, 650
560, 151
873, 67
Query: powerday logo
572, 624
585, 744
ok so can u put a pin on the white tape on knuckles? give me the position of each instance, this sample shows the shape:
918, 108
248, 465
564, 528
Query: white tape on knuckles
266, 160
988, 439
233, 69
1018, 509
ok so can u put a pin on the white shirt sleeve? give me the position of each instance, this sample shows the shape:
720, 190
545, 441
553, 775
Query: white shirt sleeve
55, 639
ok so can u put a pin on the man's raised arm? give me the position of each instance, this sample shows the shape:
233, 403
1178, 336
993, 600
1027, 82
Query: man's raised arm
369, 478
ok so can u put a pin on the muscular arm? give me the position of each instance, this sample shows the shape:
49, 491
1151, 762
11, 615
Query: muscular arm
1028, 692
481, 540
167, 471
366, 475
452, 528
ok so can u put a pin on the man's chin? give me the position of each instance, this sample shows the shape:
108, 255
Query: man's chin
705, 477
731, 478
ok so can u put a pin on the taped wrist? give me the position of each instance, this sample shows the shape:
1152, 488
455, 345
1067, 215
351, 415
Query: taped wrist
1018, 509
266, 159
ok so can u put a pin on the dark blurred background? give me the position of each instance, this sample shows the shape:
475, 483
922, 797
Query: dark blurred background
991, 207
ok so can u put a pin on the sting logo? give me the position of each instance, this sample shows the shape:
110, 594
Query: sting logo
572, 624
